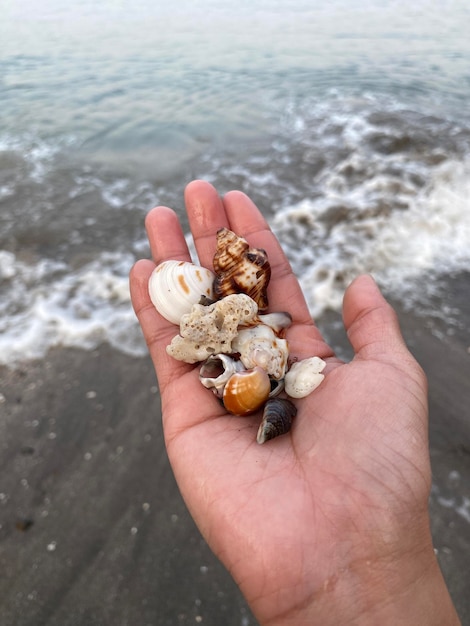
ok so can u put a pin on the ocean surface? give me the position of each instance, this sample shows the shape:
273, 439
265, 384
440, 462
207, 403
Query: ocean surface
347, 121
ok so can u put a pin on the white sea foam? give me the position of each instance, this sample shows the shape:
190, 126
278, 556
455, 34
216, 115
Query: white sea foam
38, 154
432, 234
350, 186
48, 305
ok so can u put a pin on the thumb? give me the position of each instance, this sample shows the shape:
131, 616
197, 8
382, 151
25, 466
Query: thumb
370, 322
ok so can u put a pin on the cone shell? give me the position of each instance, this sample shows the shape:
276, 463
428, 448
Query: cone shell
174, 286
277, 419
246, 391
240, 269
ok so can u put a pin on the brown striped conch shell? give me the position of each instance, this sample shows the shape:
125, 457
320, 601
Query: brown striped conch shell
240, 269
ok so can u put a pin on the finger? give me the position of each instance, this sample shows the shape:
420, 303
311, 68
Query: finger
166, 235
370, 322
157, 331
284, 292
206, 215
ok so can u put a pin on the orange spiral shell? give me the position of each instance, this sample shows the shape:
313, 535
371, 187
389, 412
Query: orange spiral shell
246, 391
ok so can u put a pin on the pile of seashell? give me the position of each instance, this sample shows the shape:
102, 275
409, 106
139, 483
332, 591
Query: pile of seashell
223, 325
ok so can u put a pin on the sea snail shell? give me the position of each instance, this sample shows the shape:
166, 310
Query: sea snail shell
174, 286
240, 269
246, 391
259, 345
277, 419
215, 372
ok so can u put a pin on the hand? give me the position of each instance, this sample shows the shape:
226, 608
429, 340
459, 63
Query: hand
329, 523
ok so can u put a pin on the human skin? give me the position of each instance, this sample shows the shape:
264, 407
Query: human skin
328, 524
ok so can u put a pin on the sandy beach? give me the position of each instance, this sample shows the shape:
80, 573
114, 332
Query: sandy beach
93, 529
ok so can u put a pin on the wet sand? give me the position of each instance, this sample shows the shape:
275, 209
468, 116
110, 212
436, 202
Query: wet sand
93, 529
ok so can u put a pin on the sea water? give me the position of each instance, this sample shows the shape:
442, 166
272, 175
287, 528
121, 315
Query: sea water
347, 122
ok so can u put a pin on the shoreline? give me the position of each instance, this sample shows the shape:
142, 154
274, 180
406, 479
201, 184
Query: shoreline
93, 529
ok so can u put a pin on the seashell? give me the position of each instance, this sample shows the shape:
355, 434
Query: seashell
278, 321
260, 346
276, 387
246, 391
174, 286
210, 329
240, 269
304, 376
277, 419
216, 370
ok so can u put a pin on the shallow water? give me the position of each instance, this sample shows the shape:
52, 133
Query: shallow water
348, 123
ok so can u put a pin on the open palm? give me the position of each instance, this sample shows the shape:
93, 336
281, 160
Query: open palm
309, 514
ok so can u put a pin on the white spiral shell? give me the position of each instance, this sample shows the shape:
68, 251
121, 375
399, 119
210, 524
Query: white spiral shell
260, 346
174, 286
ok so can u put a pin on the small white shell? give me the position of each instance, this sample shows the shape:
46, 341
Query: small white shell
277, 321
260, 346
174, 286
304, 376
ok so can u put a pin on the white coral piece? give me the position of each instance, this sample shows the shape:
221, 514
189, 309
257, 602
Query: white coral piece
304, 376
211, 329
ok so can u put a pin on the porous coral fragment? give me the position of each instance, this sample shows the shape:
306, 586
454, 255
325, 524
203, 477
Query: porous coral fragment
211, 329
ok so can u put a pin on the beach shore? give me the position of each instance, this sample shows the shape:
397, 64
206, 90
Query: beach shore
93, 529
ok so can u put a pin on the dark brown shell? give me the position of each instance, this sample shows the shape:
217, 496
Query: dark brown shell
277, 419
240, 269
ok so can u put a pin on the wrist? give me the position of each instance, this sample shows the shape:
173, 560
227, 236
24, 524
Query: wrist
403, 587
406, 589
